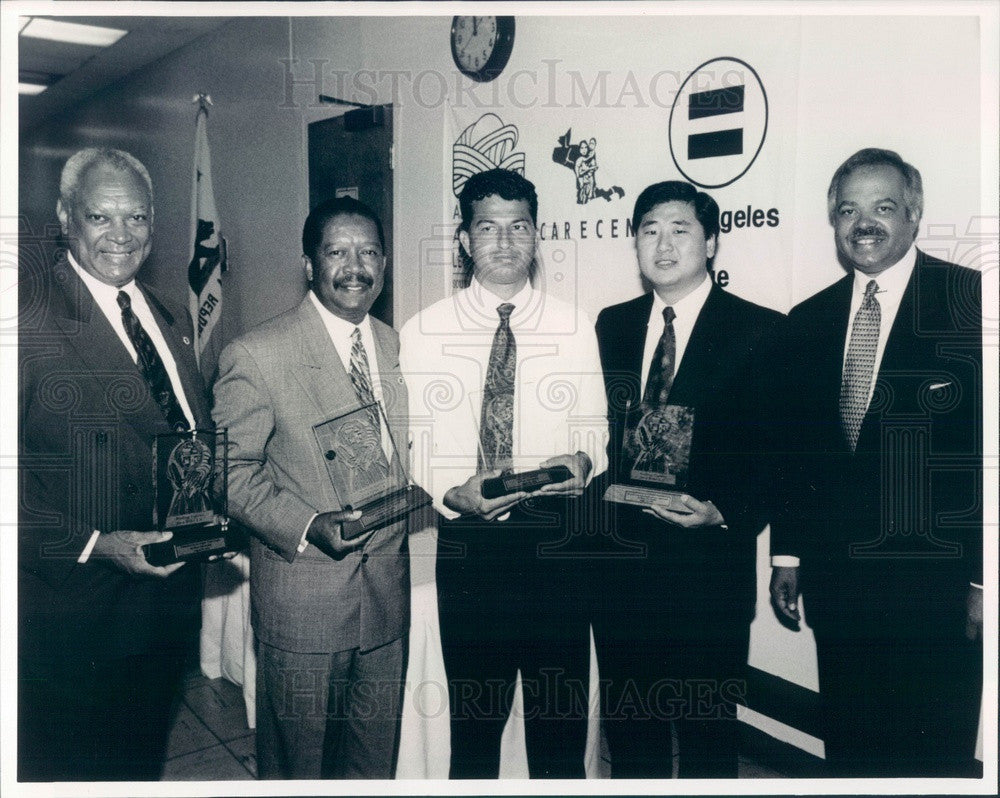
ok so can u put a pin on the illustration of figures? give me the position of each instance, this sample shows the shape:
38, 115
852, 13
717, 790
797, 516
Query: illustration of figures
582, 159
189, 469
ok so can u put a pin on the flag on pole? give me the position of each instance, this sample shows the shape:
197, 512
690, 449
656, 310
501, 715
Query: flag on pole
208, 248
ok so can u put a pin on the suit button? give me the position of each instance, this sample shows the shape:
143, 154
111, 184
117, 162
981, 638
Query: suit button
364, 557
131, 488
330, 454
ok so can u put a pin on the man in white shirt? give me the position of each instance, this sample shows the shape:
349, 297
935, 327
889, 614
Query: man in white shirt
105, 366
503, 377
881, 498
672, 631
330, 615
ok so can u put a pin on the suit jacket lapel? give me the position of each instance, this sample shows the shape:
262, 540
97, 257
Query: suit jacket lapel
391, 381
695, 373
323, 375
633, 344
100, 349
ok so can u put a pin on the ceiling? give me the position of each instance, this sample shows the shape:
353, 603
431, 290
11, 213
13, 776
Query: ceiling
88, 70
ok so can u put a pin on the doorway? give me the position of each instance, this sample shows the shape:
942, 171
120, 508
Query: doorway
352, 155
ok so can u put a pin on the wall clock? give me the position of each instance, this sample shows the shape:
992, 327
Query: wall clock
481, 46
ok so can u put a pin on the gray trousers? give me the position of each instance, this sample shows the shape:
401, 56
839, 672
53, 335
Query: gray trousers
333, 716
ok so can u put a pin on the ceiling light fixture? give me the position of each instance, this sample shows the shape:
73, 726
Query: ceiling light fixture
70, 32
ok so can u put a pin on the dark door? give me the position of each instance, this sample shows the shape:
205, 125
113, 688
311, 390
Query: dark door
356, 159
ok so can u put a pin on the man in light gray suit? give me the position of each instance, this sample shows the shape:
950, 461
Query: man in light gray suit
330, 615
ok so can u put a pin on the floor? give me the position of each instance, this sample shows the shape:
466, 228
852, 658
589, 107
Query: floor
210, 740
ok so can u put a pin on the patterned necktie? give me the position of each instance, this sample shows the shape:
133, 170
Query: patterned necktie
496, 429
152, 368
860, 364
361, 376
661, 367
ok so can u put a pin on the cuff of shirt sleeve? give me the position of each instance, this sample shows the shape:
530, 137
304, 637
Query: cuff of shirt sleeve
303, 544
784, 561
973, 584
85, 554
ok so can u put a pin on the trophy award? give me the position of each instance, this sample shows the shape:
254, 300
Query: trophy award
190, 484
655, 456
363, 477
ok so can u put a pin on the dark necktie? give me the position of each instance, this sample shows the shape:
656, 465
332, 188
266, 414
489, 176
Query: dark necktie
661, 367
361, 377
860, 364
151, 366
496, 429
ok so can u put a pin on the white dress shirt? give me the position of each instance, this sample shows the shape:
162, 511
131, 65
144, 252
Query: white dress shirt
891, 285
106, 298
686, 313
559, 400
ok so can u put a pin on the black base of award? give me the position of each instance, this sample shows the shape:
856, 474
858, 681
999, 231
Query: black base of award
644, 497
386, 510
495, 487
195, 545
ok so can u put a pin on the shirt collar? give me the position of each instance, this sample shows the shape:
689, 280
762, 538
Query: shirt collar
336, 326
689, 306
478, 304
894, 279
106, 294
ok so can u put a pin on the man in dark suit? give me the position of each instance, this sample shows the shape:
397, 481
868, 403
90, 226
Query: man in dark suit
672, 625
103, 634
881, 496
330, 616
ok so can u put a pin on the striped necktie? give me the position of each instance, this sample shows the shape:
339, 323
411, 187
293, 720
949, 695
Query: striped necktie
361, 376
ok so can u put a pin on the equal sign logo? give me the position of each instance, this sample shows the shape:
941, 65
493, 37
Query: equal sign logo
718, 122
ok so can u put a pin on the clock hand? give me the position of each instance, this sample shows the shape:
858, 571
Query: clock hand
475, 26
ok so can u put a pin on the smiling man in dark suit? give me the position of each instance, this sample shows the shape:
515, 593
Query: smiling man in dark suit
881, 496
103, 634
330, 615
672, 628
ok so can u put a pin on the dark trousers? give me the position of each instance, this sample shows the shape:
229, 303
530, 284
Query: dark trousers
98, 721
329, 715
510, 599
900, 706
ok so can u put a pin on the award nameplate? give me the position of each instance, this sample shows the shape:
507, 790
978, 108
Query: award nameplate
363, 477
655, 456
494, 487
190, 486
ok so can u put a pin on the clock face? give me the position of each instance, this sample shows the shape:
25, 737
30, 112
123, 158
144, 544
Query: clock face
481, 46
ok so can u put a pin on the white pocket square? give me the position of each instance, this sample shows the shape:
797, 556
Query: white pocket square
937, 386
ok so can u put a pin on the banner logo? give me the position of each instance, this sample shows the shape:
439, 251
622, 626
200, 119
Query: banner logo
485, 144
581, 159
718, 122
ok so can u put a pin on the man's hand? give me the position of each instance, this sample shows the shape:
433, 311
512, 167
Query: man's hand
326, 533
467, 498
123, 549
974, 613
579, 464
785, 594
699, 515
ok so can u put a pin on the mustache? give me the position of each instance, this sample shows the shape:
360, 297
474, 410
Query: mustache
364, 279
868, 231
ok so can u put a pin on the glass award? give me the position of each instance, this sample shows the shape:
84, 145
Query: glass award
655, 456
190, 485
363, 476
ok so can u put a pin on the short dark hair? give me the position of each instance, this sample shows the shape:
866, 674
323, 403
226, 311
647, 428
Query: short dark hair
913, 188
316, 221
505, 184
706, 209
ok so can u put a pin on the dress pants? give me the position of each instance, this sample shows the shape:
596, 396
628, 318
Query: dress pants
329, 715
509, 596
98, 721
900, 705
671, 626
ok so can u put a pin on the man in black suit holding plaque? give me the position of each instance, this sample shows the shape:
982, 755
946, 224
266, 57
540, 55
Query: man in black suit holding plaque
682, 368
104, 367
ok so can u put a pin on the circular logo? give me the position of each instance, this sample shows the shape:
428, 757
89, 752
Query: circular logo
718, 122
